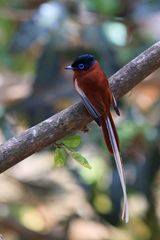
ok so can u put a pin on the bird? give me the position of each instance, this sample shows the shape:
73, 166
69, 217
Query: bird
92, 84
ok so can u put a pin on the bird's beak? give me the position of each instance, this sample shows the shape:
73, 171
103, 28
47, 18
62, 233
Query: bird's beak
69, 67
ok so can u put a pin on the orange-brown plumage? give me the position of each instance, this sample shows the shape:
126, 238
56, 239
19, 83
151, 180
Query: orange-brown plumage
92, 85
95, 85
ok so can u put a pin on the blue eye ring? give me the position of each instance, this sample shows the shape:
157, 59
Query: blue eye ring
81, 66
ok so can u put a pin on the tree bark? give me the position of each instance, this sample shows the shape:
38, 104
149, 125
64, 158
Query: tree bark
76, 117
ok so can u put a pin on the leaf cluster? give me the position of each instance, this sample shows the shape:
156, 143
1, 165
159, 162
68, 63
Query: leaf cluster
66, 147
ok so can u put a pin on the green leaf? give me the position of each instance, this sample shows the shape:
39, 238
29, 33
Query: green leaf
80, 159
59, 157
72, 141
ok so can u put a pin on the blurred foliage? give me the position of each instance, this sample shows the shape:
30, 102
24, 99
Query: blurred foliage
104, 6
38, 39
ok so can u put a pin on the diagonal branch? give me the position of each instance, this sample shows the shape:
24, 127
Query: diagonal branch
75, 117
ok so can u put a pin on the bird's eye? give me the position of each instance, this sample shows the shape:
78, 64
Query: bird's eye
81, 66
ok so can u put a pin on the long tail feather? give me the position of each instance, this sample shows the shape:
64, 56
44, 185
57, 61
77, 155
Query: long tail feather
106, 133
114, 144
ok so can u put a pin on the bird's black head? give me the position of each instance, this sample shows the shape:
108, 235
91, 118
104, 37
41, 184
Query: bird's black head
83, 62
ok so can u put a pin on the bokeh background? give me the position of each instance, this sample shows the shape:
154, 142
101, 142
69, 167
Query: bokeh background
38, 200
